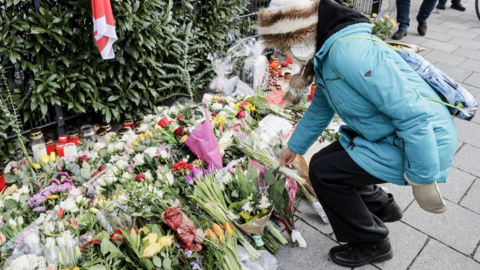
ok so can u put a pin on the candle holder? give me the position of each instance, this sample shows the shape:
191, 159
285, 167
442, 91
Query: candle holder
88, 133
63, 139
101, 135
274, 62
106, 126
123, 131
73, 137
38, 144
59, 149
50, 144
128, 123
70, 150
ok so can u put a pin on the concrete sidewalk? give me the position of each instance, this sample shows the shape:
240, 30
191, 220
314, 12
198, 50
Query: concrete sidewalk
421, 240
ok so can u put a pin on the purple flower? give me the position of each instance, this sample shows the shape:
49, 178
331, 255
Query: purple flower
196, 172
68, 181
189, 253
39, 209
196, 264
189, 179
36, 200
63, 174
232, 170
55, 181
23, 162
15, 168
211, 168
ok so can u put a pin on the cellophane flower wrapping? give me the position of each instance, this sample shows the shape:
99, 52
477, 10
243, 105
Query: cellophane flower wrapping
115, 216
221, 66
204, 144
256, 64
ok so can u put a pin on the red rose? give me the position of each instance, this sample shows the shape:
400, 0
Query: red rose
220, 101
179, 132
180, 118
241, 114
188, 166
179, 165
164, 122
95, 173
82, 159
60, 213
102, 168
214, 114
140, 177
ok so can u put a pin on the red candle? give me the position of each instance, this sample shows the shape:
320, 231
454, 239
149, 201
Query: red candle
2, 182
128, 123
73, 137
279, 72
50, 146
63, 139
274, 63
60, 149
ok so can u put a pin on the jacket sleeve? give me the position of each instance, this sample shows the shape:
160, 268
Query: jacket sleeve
314, 122
371, 70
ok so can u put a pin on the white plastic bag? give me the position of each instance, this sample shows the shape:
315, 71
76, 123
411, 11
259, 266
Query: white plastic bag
256, 64
234, 87
266, 261
222, 66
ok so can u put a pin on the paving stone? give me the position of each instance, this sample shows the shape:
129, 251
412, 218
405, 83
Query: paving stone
426, 51
312, 218
367, 267
403, 195
438, 256
435, 27
414, 38
471, 64
458, 74
439, 36
477, 38
445, 57
468, 158
467, 52
406, 243
457, 227
471, 18
475, 26
456, 25
452, 18
473, 80
472, 44
459, 144
477, 255
442, 46
475, 91
471, 201
315, 256
462, 33
458, 182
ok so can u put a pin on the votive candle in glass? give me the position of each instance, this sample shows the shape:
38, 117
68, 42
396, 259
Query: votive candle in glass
63, 139
38, 144
50, 146
70, 150
59, 148
101, 135
128, 123
73, 137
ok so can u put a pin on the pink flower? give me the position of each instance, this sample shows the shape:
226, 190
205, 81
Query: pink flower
74, 192
237, 127
140, 177
128, 150
181, 118
241, 114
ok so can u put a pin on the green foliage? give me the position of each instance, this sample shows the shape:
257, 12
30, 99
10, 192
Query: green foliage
55, 51
382, 26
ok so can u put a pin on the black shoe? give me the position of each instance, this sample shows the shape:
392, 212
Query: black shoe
399, 34
391, 212
458, 6
441, 6
359, 254
422, 28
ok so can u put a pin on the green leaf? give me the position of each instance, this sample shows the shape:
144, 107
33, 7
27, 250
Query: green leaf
269, 177
10, 204
157, 261
235, 194
167, 263
38, 30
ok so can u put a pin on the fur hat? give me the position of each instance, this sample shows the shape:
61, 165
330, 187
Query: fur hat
291, 26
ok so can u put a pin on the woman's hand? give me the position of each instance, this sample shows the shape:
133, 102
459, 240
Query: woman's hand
287, 157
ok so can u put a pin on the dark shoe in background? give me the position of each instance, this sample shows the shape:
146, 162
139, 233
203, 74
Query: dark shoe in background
458, 6
399, 34
441, 6
422, 28
391, 212
359, 254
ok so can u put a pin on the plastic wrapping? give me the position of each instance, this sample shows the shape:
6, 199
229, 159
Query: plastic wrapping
235, 87
255, 66
266, 261
115, 217
222, 66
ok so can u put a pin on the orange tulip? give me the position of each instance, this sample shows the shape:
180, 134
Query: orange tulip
229, 228
211, 234
219, 232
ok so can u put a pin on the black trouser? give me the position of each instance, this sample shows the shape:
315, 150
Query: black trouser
348, 195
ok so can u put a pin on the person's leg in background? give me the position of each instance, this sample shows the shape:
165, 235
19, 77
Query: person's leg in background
456, 4
441, 4
425, 10
403, 18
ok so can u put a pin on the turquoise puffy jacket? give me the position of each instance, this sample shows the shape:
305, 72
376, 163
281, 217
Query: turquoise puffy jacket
391, 129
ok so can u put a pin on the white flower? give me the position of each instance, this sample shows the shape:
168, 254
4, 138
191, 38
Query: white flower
98, 190
247, 207
111, 148
229, 99
148, 176
114, 170
9, 166
28, 261
151, 151
98, 146
164, 153
225, 141
119, 146
114, 158
149, 118
159, 193
217, 106
264, 203
79, 199
125, 177
48, 227
23, 190
32, 239
12, 223
231, 105
20, 221
101, 182
207, 99
139, 160
169, 178
111, 137
121, 164
231, 215
122, 199
142, 128
16, 196
69, 205
173, 110
109, 179
60, 226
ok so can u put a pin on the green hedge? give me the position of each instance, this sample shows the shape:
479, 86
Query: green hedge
56, 47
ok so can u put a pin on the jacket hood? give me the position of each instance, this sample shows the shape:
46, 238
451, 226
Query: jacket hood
332, 18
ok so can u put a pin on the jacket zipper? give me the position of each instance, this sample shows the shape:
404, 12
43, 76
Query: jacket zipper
405, 152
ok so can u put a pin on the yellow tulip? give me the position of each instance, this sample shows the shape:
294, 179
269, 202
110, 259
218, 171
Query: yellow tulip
166, 241
52, 197
78, 255
184, 138
210, 234
134, 142
219, 232
10, 190
76, 268
144, 230
374, 15
141, 137
148, 134
44, 159
151, 237
229, 228
151, 250
94, 210
36, 166
52, 156
387, 16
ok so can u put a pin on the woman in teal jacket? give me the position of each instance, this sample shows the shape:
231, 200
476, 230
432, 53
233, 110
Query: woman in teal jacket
392, 133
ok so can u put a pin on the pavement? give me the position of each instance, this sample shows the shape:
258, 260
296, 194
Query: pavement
422, 240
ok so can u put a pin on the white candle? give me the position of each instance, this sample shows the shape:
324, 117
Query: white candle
101, 139
39, 150
70, 150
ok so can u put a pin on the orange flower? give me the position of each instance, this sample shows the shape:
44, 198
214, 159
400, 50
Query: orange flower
219, 232
211, 234
229, 228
